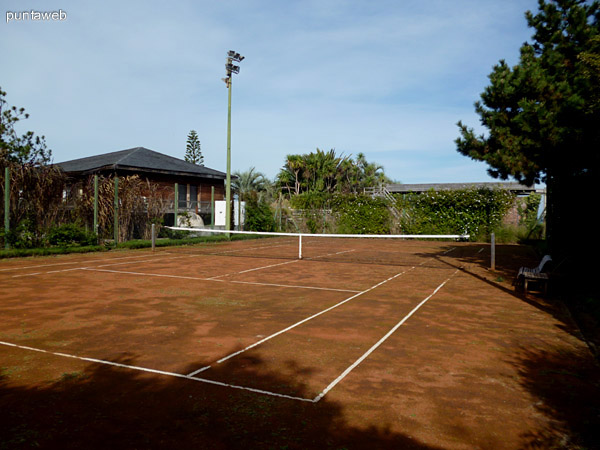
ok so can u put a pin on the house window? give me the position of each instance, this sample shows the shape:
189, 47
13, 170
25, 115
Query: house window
193, 196
182, 201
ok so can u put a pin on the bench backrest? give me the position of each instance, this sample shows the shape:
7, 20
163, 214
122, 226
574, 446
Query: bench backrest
543, 262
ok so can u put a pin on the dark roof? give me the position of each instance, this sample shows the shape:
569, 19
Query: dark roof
138, 159
511, 186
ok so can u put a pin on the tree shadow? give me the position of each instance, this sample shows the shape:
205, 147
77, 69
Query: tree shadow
104, 406
565, 382
567, 386
509, 259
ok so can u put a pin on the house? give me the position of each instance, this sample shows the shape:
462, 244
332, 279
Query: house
195, 184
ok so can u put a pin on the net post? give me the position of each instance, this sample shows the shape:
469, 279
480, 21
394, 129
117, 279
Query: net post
153, 232
299, 246
493, 252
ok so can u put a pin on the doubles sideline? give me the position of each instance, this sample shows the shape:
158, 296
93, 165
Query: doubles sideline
316, 399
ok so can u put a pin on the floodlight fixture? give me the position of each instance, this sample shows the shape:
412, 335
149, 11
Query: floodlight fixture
231, 68
235, 56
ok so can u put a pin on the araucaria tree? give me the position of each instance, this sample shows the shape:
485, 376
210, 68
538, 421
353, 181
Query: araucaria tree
543, 117
193, 152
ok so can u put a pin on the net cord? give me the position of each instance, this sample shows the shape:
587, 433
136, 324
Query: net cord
300, 235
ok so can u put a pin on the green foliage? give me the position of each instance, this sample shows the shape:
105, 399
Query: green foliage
23, 236
251, 181
71, 234
311, 200
193, 152
361, 214
353, 213
14, 149
321, 171
259, 215
542, 116
477, 212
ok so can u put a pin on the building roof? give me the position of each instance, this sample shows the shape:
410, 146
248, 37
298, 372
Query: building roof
138, 159
515, 187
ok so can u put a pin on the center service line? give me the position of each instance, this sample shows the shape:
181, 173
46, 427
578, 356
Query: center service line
381, 341
298, 323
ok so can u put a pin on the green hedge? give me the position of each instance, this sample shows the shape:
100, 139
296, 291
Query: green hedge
477, 212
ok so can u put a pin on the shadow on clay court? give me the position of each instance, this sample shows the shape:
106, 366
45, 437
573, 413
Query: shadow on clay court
102, 406
566, 383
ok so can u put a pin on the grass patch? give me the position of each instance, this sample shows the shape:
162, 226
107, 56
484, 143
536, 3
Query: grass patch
130, 245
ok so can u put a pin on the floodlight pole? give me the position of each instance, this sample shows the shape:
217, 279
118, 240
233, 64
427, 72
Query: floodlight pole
228, 180
230, 70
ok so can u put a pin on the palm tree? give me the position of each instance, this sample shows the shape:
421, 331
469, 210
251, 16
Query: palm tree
249, 181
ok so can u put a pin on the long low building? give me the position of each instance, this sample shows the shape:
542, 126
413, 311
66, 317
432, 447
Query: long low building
516, 188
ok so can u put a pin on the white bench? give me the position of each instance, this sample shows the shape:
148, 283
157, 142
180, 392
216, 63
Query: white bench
537, 275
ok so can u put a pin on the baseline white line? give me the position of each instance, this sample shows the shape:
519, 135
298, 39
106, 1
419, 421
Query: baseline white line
299, 323
91, 269
381, 341
155, 371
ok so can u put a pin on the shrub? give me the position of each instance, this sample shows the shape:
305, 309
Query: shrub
477, 212
259, 215
71, 234
361, 214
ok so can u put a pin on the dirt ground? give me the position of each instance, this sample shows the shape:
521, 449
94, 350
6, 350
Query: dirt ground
181, 348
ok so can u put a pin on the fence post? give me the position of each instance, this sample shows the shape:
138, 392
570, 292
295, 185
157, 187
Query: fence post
6, 205
116, 210
176, 205
493, 252
212, 206
96, 205
153, 236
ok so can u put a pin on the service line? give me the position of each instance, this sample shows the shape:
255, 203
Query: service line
183, 277
381, 341
262, 341
155, 371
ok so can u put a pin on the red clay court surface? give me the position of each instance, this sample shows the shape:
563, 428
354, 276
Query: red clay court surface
390, 344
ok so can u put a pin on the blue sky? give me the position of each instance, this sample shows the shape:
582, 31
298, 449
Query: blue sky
386, 78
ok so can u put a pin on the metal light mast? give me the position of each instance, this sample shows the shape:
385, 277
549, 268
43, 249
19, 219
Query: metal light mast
230, 70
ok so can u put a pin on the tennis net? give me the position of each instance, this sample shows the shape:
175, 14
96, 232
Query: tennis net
396, 249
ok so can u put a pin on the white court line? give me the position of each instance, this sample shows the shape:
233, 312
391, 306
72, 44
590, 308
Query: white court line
381, 341
91, 269
153, 259
202, 369
155, 371
67, 263
252, 270
279, 264
258, 391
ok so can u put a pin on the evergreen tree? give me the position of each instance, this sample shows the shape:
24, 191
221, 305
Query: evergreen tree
193, 152
543, 123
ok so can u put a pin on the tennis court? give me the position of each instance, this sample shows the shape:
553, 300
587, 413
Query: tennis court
415, 341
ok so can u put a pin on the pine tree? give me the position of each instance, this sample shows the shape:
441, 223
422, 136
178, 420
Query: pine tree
193, 152
543, 123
